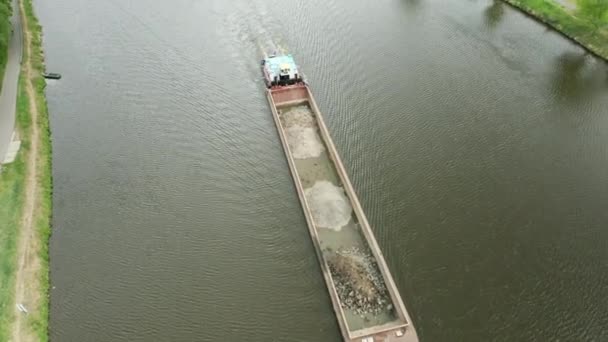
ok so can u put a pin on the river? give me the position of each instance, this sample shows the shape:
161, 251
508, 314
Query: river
475, 137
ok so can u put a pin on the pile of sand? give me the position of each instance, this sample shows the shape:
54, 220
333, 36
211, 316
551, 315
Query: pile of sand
298, 116
302, 137
304, 142
329, 205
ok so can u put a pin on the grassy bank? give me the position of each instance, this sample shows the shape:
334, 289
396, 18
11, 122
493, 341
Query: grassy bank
38, 320
591, 35
12, 192
12, 181
12, 184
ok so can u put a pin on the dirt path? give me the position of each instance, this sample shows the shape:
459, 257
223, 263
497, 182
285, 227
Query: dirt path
28, 265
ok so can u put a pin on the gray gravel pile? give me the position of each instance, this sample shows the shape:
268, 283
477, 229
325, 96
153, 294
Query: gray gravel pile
358, 281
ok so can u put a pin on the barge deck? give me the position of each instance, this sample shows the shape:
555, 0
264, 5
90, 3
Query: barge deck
365, 299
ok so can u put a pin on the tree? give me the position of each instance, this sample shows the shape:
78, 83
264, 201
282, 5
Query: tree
595, 11
494, 13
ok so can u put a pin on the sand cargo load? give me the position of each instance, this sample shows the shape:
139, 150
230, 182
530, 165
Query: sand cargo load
366, 302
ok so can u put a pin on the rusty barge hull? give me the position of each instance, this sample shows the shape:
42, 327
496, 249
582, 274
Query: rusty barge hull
389, 323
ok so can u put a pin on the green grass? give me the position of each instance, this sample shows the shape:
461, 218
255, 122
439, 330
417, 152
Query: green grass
12, 186
39, 319
5, 34
577, 27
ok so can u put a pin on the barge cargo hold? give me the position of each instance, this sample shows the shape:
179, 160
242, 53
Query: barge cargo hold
365, 299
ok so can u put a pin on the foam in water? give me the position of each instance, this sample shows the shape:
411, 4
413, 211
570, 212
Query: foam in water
329, 205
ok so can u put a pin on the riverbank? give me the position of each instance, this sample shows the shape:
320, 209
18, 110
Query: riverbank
26, 190
12, 182
582, 32
12, 177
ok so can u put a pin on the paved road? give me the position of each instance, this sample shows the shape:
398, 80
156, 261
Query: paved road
8, 94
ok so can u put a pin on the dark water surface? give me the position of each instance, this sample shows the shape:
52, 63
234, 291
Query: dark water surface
476, 138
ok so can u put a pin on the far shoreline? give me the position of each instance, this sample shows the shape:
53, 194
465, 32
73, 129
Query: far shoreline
599, 52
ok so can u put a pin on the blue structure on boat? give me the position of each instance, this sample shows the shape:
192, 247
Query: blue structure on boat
280, 70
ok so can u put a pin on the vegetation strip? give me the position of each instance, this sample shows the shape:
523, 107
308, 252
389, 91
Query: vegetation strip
12, 181
25, 201
5, 33
587, 25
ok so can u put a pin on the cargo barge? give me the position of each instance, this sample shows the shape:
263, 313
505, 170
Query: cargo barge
364, 297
